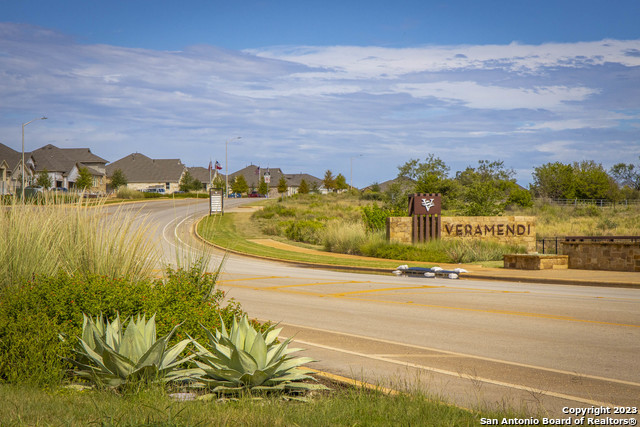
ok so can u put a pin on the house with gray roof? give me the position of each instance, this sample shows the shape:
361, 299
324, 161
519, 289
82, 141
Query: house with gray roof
252, 174
63, 166
203, 175
145, 173
11, 169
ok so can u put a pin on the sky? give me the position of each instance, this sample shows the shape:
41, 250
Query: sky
355, 87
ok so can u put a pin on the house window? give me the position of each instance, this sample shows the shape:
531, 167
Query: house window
167, 185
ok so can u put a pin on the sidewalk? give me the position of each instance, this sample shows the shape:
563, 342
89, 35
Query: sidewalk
625, 279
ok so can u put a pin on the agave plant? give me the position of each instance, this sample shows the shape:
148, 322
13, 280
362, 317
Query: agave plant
110, 355
246, 359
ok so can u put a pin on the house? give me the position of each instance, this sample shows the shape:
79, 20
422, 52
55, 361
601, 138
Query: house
401, 183
143, 173
63, 166
203, 175
11, 169
252, 174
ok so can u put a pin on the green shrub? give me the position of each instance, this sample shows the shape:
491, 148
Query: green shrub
34, 313
375, 217
307, 231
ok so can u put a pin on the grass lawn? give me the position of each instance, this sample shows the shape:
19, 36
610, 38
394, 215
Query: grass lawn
234, 231
344, 406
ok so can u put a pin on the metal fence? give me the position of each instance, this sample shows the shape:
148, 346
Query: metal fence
549, 245
594, 202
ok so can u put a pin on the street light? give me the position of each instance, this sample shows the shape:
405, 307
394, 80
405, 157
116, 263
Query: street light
226, 165
23, 171
351, 179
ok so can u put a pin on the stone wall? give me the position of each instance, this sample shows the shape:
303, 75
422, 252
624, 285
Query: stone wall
613, 256
400, 229
519, 230
536, 262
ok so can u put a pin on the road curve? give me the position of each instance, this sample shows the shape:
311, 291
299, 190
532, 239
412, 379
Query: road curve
477, 343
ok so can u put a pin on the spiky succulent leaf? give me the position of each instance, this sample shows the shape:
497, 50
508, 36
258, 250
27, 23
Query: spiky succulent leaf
113, 357
244, 357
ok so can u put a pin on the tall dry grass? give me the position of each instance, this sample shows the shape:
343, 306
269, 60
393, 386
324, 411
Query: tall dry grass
44, 238
590, 220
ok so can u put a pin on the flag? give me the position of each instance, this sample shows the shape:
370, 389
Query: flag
258, 170
218, 167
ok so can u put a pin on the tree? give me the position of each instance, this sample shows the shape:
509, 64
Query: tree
118, 179
85, 180
186, 182
239, 185
304, 187
554, 180
340, 182
626, 175
44, 180
329, 180
592, 181
282, 185
263, 188
430, 176
484, 190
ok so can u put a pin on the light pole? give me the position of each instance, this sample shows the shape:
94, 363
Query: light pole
226, 166
351, 178
23, 171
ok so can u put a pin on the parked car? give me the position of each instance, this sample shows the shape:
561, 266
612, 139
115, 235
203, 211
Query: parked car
60, 190
235, 195
255, 194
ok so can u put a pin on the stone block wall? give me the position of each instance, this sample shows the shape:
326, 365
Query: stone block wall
613, 256
519, 230
400, 229
536, 262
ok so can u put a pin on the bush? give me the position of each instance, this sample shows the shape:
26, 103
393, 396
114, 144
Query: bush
128, 193
344, 237
34, 313
307, 231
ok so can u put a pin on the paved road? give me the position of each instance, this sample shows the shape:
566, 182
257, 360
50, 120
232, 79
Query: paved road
477, 343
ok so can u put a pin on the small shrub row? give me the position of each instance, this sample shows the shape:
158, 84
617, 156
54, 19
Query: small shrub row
33, 314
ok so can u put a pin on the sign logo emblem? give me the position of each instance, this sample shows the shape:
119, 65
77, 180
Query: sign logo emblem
428, 204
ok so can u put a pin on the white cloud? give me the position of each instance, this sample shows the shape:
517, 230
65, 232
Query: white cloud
474, 95
522, 104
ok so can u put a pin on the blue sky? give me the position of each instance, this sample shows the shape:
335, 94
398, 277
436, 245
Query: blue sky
312, 86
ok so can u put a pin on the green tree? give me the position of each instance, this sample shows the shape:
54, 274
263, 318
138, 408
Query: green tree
329, 180
484, 190
218, 181
263, 188
592, 181
430, 176
118, 179
304, 187
554, 180
186, 182
44, 180
341, 182
282, 185
239, 185
85, 180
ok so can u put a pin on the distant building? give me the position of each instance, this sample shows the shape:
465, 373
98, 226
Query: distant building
144, 173
63, 166
253, 173
11, 169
